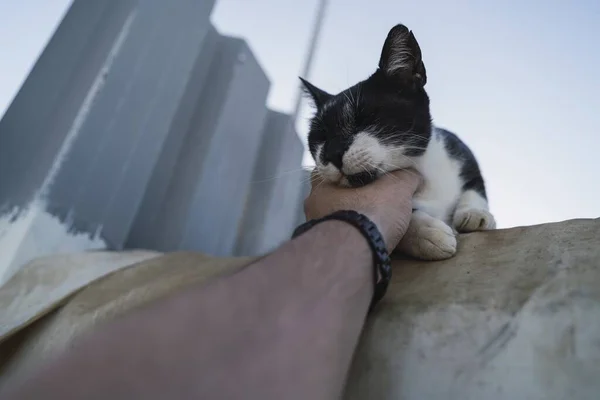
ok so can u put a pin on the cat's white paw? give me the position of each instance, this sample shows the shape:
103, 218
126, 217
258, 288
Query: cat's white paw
471, 220
428, 238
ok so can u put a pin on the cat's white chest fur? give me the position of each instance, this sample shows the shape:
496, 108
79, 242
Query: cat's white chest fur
442, 184
443, 208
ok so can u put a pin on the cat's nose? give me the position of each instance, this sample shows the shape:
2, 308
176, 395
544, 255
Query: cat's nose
335, 150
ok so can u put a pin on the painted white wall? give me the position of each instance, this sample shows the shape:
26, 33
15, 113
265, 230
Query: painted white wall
36, 233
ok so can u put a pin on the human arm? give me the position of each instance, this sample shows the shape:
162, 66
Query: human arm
283, 327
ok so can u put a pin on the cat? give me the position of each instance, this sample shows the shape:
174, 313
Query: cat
384, 124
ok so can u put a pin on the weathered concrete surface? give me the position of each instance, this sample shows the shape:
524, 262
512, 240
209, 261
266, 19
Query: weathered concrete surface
515, 315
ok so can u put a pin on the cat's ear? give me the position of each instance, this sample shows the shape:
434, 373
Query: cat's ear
401, 56
318, 96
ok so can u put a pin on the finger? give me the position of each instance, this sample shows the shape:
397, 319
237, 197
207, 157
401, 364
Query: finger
409, 174
406, 180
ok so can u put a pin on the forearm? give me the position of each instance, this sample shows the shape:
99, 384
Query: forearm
285, 327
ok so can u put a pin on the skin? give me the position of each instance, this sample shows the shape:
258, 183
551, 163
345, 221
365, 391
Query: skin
283, 327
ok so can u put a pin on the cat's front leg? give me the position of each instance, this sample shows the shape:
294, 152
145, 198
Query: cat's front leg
428, 238
472, 213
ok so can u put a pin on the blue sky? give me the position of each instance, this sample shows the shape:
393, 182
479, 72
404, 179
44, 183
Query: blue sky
516, 80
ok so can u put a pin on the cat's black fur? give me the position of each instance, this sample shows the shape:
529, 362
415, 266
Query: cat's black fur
394, 105
384, 123
470, 168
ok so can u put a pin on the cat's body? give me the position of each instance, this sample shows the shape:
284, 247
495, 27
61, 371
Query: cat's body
453, 192
383, 124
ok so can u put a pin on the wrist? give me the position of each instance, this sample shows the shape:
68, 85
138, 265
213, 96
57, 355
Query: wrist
341, 258
341, 241
346, 238
362, 224
385, 229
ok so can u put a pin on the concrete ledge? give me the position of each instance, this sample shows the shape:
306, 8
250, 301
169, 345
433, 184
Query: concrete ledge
513, 316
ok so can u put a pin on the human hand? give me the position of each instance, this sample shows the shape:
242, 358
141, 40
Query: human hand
387, 202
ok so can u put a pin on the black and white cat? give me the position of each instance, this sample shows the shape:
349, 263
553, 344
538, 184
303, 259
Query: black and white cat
383, 124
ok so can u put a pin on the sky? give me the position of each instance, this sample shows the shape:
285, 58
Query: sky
517, 81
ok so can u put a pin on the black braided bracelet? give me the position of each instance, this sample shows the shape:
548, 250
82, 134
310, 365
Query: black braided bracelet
382, 271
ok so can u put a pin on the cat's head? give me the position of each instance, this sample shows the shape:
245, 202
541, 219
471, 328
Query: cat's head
377, 125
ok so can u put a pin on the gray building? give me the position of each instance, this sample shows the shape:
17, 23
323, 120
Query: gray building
141, 126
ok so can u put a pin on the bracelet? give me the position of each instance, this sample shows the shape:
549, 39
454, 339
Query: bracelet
382, 271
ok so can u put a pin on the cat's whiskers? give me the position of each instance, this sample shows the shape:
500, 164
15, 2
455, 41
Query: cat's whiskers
403, 169
394, 168
367, 170
388, 164
397, 168
410, 160
314, 172
385, 172
402, 143
321, 182
405, 138
315, 180
414, 148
